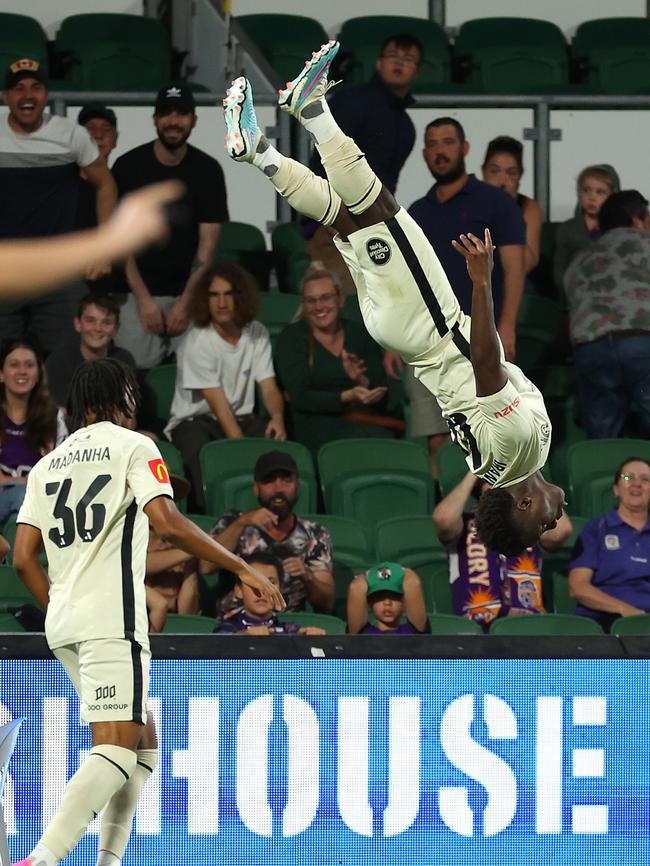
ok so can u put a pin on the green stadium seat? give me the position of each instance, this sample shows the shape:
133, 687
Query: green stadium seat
9, 623
276, 311
362, 38
452, 467
545, 624
562, 601
13, 591
21, 36
203, 521
290, 260
161, 382
9, 532
445, 623
615, 54
174, 462
331, 624
537, 330
108, 51
285, 41
187, 623
246, 245
227, 472
512, 55
371, 479
596, 459
631, 625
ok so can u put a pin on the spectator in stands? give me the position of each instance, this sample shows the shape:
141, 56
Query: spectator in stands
459, 203
96, 324
303, 547
609, 574
331, 370
374, 115
503, 167
484, 584
220, 360
39, 173
29, 423
101, 124
391, 592
595, 184
160, 281
256, 615
608, 295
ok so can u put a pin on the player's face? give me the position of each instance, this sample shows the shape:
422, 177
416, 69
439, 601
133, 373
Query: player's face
27, 100
174, 128
20, 372
103, 133
502, 170
96, 328
592, 195
399, 67
253, 604
444, 153
221, 300
322, 304
633, 486
387, 607
543, 514
278, 492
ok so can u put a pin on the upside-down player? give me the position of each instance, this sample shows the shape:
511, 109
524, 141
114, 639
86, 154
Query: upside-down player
493, 411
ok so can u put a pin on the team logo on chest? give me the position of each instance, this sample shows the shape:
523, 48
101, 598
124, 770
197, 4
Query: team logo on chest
379, 251
612, 542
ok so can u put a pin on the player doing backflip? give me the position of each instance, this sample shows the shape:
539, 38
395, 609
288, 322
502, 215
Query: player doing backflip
493, 411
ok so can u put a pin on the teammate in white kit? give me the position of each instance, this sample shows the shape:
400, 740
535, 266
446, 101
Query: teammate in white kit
90, 502
493, 411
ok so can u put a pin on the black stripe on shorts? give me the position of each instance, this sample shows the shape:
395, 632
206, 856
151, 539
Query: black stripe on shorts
128, 609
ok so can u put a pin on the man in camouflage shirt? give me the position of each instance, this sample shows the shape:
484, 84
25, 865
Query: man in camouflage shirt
608, 293
303, 546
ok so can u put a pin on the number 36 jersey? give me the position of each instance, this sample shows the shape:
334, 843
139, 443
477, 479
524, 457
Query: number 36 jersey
86, 498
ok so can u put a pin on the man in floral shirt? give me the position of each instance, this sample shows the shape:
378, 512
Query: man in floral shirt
303, 546
608, 293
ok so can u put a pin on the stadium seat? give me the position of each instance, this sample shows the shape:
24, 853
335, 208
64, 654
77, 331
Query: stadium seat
21, 36
542, 274
161, 382
512, 55
545, 623
203, 521
558, 561
596, 459
331, 624
361, 39
452, 467
227, 472
631, 625
537, 330
371, 479
286, 41
289, 257
187, 623
350, 545
13, 591
614, 54
561, 601
445, 623
246, 245
276, 311
108, 51
9, 623
9, 532
174, 462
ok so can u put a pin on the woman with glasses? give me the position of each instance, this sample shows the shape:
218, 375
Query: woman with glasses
610, 571
331, 370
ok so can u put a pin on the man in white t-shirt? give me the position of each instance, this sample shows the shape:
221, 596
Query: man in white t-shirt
219, 362
89, 502
493, 411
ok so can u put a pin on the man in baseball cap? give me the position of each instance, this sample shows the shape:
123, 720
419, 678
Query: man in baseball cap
176, 97
26, 102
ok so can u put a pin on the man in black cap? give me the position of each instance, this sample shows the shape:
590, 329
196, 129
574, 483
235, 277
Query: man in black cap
160, 282
39, 190
303, 546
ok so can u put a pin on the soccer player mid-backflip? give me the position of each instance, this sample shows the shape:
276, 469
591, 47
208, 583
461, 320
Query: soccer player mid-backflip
493, 411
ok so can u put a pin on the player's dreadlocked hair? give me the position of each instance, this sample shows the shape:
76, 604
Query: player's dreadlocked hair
496, 525
106, 387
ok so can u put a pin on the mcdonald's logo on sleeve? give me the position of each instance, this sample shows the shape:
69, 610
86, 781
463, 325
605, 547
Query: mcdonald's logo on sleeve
159, 470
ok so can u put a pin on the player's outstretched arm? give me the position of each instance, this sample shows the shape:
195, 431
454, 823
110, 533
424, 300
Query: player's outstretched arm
31, 266
170, 525
484, 343
27, 565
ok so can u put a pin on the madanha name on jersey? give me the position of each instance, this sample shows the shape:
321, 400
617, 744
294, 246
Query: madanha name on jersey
81, 455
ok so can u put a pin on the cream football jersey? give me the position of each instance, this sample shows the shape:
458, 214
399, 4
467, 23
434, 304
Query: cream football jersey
87, 497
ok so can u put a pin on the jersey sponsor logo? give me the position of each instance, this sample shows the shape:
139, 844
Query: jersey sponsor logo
493, 473
159, 470
508, 409
379, 251
612, 542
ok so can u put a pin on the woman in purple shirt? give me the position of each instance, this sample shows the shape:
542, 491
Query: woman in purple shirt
29, 423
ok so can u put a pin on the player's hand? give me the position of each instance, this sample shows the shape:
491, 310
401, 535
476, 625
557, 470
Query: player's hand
140, 219
263, 518
261, 586
478, 255
509, 339
151, 317
354, 367
275, 429
393, 365
178, 318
